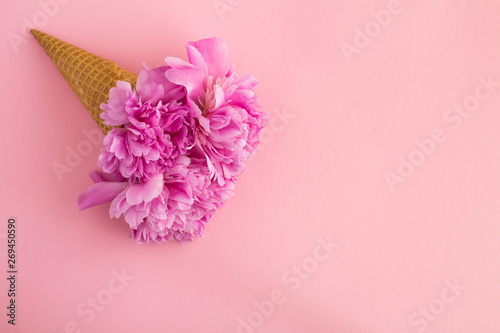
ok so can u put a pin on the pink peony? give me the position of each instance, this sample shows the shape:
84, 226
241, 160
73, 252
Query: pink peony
229, 120
180, 139
155, 126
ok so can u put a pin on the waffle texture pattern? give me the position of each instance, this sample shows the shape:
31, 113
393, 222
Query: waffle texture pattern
89, 76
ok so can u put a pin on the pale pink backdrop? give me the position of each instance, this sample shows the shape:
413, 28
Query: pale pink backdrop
345, 108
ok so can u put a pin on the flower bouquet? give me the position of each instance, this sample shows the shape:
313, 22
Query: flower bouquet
176, 136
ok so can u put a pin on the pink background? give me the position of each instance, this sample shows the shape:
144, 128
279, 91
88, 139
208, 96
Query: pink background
322, 172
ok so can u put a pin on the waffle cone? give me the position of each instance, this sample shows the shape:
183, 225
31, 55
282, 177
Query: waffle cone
89, 76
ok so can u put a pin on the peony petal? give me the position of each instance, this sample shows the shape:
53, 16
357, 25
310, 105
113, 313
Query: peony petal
178, 63
145, 192
191, 78
114, 111
220, 98
181, 194
99, 176
204, 123
196, 58
100, 193
134, 217
118, 205
152, 85
215, 54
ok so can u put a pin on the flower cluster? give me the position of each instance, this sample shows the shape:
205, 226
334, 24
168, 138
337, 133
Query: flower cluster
179, 140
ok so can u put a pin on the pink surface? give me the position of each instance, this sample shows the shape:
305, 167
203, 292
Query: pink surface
416, 247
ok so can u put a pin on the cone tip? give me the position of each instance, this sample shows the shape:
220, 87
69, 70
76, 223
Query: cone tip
35, 32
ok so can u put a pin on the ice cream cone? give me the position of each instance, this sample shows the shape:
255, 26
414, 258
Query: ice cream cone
89, 76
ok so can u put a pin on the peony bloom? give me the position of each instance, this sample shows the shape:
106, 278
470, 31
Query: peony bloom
228, 117
155, 126
180, 139
186, 203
